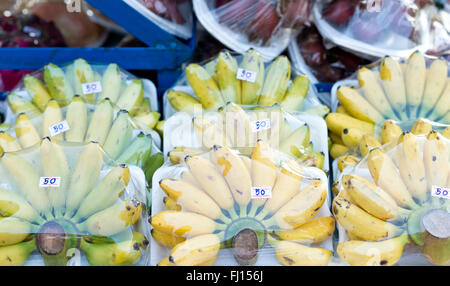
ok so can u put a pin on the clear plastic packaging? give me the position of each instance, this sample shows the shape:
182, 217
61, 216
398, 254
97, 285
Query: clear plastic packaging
402, 91
70, 204
264, 25
244, 80
93, 82
375, 28
393, 207
300, 135
174, 17
260, 210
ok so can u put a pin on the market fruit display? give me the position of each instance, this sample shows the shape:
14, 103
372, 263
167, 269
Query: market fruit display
238, 128
218, 82
210, 209
393, 91
384, 201
59, 198
91, 82
114, 129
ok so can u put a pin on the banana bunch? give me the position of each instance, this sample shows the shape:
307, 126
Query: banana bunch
231, 201
240, 129
394, 91
385, 212
222, 80
80, 122
57, 198
83, 80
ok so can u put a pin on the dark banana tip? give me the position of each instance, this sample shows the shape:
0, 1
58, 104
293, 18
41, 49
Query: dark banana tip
171, 259
345, 131
123, 166
146, 242
187, 158
150, 220
164, 201
122, 111
77, 95
107, 98
259, 140
136, 246
160, 181
216, 147
321, 153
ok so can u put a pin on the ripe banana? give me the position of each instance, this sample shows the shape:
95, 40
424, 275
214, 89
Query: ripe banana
166, 240
17, 254
250, 91
76, 117
111, 83
204, 87
225, 76
147, 120
351, 137
8, 143
347, 161
131, 97
58, 84
360, 223
106, 193
190, 198
276, 81
125, 253
26, 132
83, 73
113, 219
441, 107
177, 155
235, 122
386, 176
52, 115
100, 122
19, 104
196, 251
415, 77
294, 254
14, 205
181, 223
368, 142
337, 150
337, 122
211, 180
358, 107
182, 101
436, 80
296, 94
314, 231
436, 159
209, 134
368, 253
391, 76
14, 230
421, 127
390, 131
171, 204
37, 91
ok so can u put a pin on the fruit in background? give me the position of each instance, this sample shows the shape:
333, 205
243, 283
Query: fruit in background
339, 11
295, 13
265, 22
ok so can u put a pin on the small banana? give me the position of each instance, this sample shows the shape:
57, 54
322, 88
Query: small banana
19, 104
276, 81
14, 205
166, 240
368, 142
314, 231
26, 132
351, 137
119, 136
360, 223
441, 107
204, 87
390, 131
436, 159
177, 155
17, 254
294, 254
37, 91
131, 97
113, 219
13, 230
415, 77
357, 106
296, 94
369, 253
235, 122
181, 223
436, 80
171, 204
338, 150
296, 141
76, 117
250, 91
52, 115
225, 76
58, 84
111, 82
337, 122
391, 76
100, 122
196, 251
147, 120
8, 143
83, 73
138, 151
209, 134
347, 161
126, 253
182, 101
421, 127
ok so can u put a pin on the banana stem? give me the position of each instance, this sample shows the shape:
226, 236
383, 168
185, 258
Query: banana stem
221, 226
242, 211
224, 218
233, 213
253, 210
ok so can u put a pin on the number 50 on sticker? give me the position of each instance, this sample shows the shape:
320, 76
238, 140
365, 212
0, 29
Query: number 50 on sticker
440, 192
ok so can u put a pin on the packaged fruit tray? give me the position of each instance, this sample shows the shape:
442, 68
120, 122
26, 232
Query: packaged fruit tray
238, 41
92, 82
240, 224
371, 33
70, 204
300, 135
174, 17
393, 207
220, 80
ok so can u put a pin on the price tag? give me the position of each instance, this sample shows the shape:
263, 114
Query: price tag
440, 192
59, 128
260, 125
50, 182
246, 75
261, 193
92, 87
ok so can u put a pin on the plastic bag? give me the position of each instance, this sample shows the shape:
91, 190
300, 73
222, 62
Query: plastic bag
375, 28
393, 207
399, 91
70, 204
93, 83
275, 212
300, 135
265, 25
243, 80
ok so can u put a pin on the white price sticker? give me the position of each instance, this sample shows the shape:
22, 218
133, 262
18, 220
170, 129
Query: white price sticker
59, 128
260, 125
261, 193
246, 75
50, 182
440, 192
92, 87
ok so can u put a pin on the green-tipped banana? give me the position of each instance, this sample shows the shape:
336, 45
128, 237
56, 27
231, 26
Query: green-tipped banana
137, 152
125, 253
17, 254
58, 85
225, 76
14, 205
38, 92
19, 104
120, 134
131, 97
147, 120
276, 81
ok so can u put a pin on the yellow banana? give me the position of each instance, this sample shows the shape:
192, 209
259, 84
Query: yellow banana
336, 139
14, 205
209, 134
294, 254
337, 122
351, 137
250, 91
171, 204
58, 84
77, 117
264, 170
131, 97
147, 120
314, 231
204, 87
100, 122
369, 253
347, 161
111, 82
83, 73
436, 79
225, 76
446, 132
415, 77
233, 169
360, 223
368, 142
441, 107
386, 176
17, 254
190, 198
391, 76
358, 107
188, 177
436, 159
26, 132
182, 101
166, 240
19, 104
8, 143
235, 122
165, 262
421, 127
296, 94
390, 131
302, 207
113, 219
337, 150
196, 251
52, 116
177, 155
37, 91
374, 92
181, 223
341, 108
126, 253
13, 230
276, 81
